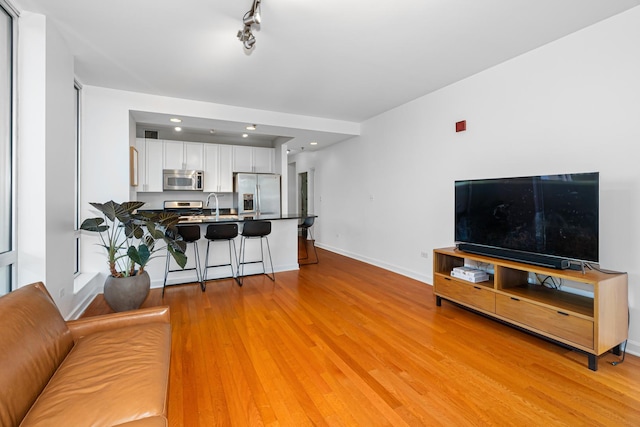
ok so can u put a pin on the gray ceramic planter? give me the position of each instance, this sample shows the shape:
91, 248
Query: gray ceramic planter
126, 293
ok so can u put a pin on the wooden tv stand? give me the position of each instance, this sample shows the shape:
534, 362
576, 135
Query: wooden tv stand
514, 294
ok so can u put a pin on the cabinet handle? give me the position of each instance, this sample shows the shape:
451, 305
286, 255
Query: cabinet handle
477, 287
515, 299
447, 278
563, 314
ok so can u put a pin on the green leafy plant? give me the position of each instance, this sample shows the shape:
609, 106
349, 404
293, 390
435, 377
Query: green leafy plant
132, 238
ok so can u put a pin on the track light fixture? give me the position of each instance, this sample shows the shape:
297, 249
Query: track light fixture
251, 17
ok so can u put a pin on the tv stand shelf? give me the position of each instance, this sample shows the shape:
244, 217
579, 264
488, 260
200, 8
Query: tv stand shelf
592, 319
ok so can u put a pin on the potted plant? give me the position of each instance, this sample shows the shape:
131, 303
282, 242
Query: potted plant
131, 240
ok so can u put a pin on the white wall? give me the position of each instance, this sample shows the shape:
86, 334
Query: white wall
45, 160
570, 106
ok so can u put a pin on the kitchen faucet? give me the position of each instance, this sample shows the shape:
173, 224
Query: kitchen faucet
216, 197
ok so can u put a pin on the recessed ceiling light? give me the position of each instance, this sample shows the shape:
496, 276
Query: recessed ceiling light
244, 135
251, 127
313, 143
177, 128
212, 131
175, 120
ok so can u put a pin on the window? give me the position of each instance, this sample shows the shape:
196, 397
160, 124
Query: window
76, 220
7, 101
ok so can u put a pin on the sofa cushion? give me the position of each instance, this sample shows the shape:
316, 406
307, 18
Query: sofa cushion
34, 340
109, 378
146, 422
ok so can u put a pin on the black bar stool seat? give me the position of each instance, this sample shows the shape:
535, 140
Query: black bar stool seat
305, 227
217, 233
190, 234
255, 230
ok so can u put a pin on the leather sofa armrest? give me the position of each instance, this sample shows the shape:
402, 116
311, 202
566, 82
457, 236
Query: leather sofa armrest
89, 325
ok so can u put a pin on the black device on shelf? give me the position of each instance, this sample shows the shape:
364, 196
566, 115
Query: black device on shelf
547, 220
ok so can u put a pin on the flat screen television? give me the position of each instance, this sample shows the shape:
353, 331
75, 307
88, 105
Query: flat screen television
548, 220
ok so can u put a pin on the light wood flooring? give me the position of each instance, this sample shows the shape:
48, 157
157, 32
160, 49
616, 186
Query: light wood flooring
343, 343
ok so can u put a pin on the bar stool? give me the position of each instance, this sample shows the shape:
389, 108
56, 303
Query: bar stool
190, 234
255, 230
305, 226
217, 233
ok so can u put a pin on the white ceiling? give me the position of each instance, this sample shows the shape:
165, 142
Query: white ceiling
339, 59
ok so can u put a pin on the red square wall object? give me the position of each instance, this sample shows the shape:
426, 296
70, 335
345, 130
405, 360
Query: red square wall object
461, 126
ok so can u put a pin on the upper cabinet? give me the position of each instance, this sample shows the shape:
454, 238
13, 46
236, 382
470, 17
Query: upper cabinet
183, 155
150, 153
264, 160
218, 171
253, 159
218, 161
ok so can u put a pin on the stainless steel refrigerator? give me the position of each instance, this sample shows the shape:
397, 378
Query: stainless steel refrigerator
257, 193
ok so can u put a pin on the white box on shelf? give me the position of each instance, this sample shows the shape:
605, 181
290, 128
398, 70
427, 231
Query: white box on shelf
469, 272
474, 278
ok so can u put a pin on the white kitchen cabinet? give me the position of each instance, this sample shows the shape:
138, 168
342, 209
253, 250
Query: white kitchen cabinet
173, 154
150, 164
183, 155
218, 170
242, 158
264, 160
194, 156
253, 159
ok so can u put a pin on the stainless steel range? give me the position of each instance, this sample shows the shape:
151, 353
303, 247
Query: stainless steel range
184, 208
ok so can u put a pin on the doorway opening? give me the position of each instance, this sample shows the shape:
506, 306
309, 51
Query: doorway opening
303, 197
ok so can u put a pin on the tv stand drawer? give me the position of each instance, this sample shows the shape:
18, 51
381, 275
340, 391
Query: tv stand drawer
471, 294
552, 321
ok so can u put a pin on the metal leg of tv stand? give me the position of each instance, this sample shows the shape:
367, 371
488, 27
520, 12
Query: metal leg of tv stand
593, 359
617, 350
438, 301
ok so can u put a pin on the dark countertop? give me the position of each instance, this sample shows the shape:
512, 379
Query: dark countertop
206, 219
209, 217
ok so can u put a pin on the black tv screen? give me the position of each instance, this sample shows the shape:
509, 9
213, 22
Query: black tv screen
550, 215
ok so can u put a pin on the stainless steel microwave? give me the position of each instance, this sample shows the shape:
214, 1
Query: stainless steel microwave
178, 179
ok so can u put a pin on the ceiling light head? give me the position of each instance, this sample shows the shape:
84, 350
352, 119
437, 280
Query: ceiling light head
245, 135
251, 19
313, 143
244, 34
248, 44
251, 127
246, 37
175, 120
253, 16
177, 129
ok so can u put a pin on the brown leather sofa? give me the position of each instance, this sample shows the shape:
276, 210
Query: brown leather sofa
110, 370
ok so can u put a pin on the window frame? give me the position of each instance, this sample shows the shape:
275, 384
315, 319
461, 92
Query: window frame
77, 86
10, 258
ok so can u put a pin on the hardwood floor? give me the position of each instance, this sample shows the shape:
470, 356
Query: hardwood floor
345, 343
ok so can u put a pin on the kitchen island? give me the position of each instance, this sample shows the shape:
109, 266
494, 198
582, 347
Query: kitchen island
283, 242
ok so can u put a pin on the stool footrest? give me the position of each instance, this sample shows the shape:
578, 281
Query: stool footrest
217, 265
182, 269
251, 262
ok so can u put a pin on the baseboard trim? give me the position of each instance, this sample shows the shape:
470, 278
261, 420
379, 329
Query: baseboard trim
633, 347
189, 276
91, 286
394, 268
